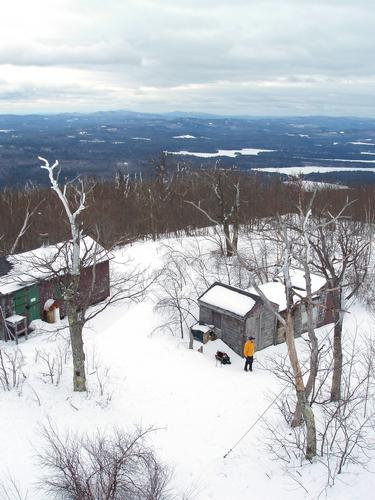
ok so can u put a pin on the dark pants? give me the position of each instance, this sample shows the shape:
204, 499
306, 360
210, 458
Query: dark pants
249, 363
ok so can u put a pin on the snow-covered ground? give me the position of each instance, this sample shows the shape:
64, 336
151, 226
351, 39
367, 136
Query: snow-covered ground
346, 160
201, 408
363, 143
309, 169
186, 136
230, 153
315, 185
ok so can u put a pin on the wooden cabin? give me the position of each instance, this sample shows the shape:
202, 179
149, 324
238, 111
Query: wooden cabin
236, 315
30, 280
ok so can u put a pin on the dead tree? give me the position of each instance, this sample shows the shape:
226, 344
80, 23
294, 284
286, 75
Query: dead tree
67, 264
9, 246
302, 253
177, 280
109, 465
227, 194
302, 400
71, 290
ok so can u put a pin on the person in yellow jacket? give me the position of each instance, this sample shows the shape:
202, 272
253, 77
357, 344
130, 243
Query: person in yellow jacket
248, 352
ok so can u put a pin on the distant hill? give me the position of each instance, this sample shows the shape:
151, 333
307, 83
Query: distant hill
100, 143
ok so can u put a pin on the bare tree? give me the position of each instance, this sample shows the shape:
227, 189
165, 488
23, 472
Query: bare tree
25, 226
302, 400
21, 207
10, 489
174, 293
110, 466
11, 369
69, 262
342, 249
72, 289
227, 194
302, 254
188, 271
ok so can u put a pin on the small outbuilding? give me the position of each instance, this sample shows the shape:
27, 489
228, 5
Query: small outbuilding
237, 314
30, 282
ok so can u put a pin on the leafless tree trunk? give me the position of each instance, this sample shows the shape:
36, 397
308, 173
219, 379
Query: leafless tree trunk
69, 265
228, 207
304, 256
342, 249
228, 215
307, 412
24, 228
72, 289
337, 340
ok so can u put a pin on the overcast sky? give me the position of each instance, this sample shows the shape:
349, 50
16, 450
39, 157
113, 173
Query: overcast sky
247, 57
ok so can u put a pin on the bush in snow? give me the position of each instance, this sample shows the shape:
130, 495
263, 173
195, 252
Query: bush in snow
113, 466
11, 372
345, 429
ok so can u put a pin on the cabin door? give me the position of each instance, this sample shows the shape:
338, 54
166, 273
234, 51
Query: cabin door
26, 303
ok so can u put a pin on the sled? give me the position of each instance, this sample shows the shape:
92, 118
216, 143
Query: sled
223, 358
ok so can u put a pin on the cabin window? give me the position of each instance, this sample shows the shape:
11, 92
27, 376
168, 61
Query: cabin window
216, 319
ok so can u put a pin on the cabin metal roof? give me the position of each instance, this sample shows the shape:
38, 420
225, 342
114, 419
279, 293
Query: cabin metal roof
41, 264
230, 299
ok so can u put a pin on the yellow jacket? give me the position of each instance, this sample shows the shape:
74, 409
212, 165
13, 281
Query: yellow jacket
249, 348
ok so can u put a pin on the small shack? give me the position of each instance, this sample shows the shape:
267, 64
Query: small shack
30, 282
236, 315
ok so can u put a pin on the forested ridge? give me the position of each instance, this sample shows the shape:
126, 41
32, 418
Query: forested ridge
126, 208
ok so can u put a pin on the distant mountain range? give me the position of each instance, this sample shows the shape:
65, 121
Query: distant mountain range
98, 144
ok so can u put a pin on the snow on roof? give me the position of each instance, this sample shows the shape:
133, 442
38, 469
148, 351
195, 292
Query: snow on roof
228, 299
298, 280
42, 263
202, 328
275, 291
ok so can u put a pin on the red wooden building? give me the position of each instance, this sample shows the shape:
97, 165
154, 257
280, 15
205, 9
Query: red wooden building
31, 281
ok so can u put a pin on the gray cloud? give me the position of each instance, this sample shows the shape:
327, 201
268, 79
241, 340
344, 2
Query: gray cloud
39, 54
272, 56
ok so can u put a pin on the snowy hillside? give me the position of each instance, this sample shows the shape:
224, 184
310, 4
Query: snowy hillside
140, 374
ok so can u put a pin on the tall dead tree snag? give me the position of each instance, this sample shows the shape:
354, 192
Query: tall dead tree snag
287, 238
228, 208
302, 253
71, 289
302, 399
226, 212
